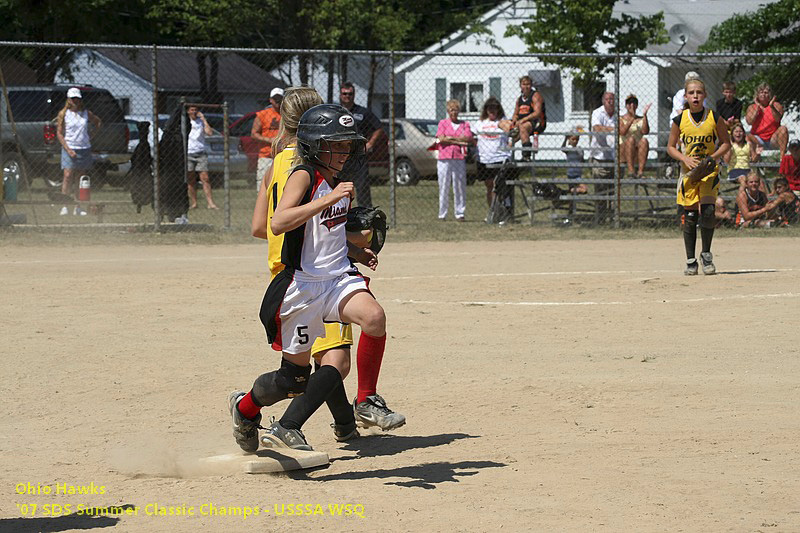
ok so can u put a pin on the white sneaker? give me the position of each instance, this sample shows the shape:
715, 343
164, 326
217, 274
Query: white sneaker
183, 219
64, 211
79, 211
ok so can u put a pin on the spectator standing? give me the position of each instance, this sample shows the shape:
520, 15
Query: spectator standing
738, 158
530, 117
790, 167
764, 116
729, 108
603, 124
491, 132
369, 126
265, 130
72, 125
632, 129
453, 136
197, 157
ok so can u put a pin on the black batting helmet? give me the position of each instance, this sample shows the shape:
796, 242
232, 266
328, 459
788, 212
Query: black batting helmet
327, 123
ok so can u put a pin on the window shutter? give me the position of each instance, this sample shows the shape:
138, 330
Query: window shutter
494, 88
441, 98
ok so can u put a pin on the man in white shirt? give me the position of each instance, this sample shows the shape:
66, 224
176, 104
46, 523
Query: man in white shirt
602, 151
197, 158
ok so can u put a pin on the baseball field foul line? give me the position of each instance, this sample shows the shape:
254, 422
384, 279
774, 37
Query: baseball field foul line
642, 302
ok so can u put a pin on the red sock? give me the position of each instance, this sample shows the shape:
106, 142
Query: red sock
247, 407
368, 361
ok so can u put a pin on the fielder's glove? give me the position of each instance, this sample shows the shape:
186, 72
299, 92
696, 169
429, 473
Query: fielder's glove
704, 167
368, 218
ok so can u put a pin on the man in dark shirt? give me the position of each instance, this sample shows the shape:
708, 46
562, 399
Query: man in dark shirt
729, 107
369, 126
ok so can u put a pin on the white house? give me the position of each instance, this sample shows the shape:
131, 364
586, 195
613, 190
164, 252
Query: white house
362, 69
430, 80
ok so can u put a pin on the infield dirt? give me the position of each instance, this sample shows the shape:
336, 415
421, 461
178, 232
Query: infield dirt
548, 385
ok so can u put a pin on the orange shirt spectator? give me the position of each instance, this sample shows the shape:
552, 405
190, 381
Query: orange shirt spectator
266, 127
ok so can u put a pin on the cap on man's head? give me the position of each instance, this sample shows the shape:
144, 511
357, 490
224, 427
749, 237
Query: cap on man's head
277, 91
74, 92
794, 144
691, 75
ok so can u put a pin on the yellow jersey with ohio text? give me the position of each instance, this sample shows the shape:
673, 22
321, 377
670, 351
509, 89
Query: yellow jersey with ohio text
336, 334
699, 139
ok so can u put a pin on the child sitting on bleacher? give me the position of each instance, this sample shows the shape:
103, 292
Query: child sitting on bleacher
574, 155
738, 158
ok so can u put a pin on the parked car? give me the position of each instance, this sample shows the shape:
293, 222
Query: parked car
133, 128
216, 151
35, 151
241, 128
413, 160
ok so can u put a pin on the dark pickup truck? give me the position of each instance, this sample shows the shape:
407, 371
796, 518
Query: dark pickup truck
35, 150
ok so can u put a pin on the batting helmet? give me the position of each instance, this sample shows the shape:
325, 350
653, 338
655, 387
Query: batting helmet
327, 123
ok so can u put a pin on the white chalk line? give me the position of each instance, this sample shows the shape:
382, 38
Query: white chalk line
570, 273
134, 260
591, 303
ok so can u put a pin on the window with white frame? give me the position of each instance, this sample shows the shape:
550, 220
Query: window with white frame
469, 94
587, 96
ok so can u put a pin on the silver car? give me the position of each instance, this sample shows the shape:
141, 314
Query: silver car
413, 158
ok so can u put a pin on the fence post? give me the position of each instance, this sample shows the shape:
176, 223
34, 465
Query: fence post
154, 129
617, 165
185, 141
227, 162
392, 184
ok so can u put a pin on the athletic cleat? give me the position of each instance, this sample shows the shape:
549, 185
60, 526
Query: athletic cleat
374, 412
278, 436
708, 263
245, 430
691, 267
344, 432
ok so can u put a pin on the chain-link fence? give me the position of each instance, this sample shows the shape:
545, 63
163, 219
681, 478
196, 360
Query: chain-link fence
171, 136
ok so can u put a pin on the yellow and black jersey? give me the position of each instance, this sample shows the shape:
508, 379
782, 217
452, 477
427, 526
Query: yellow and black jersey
698, 133
280, 174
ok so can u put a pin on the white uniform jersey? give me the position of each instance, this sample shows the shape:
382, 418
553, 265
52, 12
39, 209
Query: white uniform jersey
321, 253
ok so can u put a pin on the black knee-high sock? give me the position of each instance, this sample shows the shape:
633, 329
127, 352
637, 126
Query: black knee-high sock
706, 234
320, 385
337, 401
690, 242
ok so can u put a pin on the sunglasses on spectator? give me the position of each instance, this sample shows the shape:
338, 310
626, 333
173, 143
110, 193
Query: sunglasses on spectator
347, 93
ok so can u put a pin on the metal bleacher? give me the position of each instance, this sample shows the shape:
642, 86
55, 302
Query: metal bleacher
618, 200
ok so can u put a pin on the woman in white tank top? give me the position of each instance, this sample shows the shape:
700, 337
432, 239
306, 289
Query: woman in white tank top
76, 147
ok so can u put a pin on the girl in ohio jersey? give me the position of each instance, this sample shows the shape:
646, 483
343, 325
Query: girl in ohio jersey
702, 135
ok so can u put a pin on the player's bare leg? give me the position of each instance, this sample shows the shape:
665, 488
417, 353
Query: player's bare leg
370, 408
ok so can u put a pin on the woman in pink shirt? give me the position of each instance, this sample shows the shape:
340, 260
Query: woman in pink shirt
453, 137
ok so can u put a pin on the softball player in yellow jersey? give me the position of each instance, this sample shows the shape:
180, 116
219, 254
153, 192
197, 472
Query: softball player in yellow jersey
702, 134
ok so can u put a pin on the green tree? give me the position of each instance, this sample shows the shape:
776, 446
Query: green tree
587, 27
772, 28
